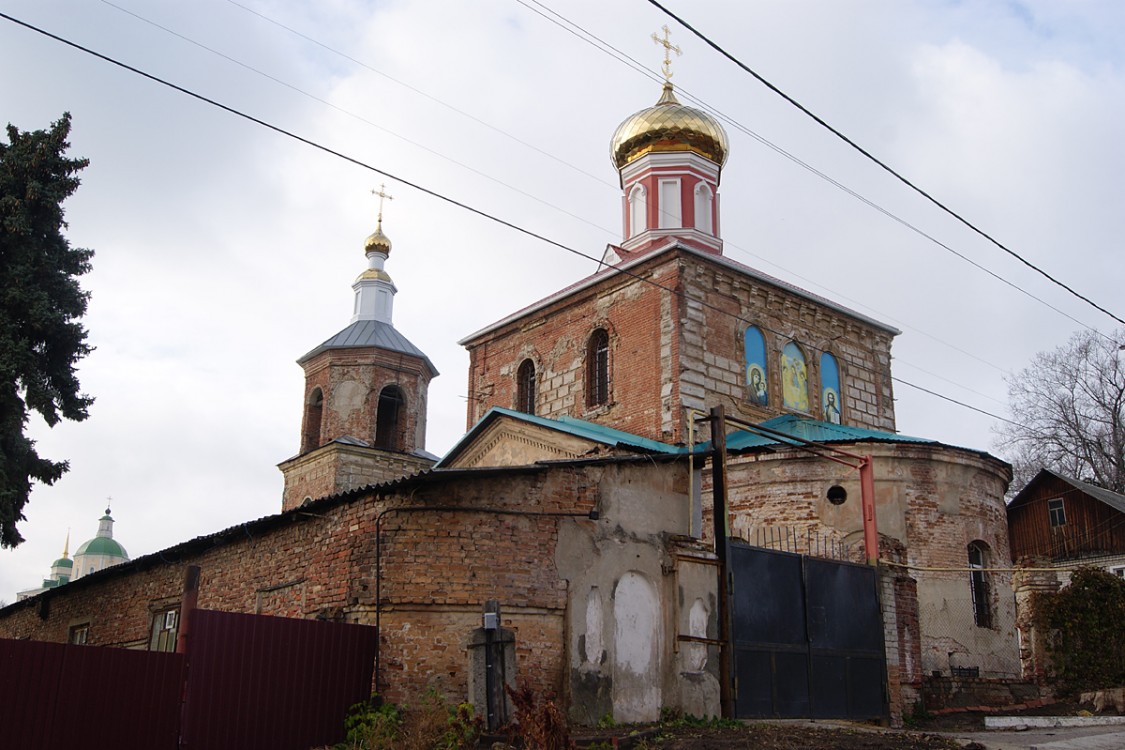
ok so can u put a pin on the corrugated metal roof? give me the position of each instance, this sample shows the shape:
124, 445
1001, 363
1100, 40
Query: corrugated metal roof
569, 425
816, 431
376, 333
1109, 497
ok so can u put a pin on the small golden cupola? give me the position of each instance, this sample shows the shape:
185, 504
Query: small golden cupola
374, 289
377, 242
669, 158
669, 126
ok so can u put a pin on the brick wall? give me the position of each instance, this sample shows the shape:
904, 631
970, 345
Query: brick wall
351, 381
931, 503
438, 568
713, 359
633, 315
669, 351
338, 467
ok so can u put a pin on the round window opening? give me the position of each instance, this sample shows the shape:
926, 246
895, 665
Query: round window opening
837, 494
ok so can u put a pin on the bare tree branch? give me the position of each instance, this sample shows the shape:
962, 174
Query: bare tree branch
1070, 404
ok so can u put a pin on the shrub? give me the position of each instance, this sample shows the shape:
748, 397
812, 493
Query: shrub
1084, 637
432, 723
539, 724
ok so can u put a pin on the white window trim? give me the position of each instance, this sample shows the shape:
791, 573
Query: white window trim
670, 219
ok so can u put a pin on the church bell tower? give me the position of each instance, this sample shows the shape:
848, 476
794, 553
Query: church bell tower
366, 387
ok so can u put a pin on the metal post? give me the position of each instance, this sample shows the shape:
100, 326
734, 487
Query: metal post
491, 623
722, 552
187, 606
867, 499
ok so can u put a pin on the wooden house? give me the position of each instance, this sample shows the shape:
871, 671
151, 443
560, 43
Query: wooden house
1056, 518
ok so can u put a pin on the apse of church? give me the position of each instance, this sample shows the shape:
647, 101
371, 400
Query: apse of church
364, 418
686, 327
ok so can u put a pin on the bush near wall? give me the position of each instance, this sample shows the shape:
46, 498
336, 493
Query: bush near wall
1084, 624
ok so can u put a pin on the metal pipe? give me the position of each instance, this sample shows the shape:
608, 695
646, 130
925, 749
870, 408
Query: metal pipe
867, 498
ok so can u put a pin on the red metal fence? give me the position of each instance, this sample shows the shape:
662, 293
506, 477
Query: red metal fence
57, 697
272, 682
246, 682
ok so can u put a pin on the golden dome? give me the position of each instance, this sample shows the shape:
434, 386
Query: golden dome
374, 273
669, 126
377, 242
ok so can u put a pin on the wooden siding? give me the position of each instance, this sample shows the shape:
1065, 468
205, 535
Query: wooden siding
1092, 527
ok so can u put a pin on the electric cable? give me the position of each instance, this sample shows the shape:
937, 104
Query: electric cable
609, 49
454, 202
882, 164
578, 32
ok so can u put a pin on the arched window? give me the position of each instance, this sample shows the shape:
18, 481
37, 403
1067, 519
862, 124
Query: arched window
704, 199
757, 383
314, 411
637, 219
979, 584
830, 403
794, 378
597, 368
388, 419
525, 387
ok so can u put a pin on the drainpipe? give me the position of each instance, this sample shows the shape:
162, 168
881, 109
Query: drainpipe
867, 500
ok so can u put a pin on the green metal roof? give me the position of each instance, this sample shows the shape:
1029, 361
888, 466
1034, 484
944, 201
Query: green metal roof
102, 545
569, 425
63, 562
813, 430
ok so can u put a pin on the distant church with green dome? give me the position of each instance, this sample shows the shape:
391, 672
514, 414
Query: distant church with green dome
91, 556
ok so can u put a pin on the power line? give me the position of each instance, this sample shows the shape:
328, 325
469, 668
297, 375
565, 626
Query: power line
446, 199
601, 45
588, 37
418, 91
366, 121
882, 164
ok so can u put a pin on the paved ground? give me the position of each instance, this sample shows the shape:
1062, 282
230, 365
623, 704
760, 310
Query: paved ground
1066, 738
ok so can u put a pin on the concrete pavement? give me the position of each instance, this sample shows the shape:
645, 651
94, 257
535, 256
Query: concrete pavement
1103, 737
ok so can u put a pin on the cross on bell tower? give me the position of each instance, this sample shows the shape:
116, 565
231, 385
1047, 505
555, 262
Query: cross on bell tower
669, 48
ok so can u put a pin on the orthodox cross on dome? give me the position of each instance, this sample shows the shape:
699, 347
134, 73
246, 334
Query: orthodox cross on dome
669, 48
383, 195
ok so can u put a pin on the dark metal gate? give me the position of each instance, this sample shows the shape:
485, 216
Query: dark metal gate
808, 637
